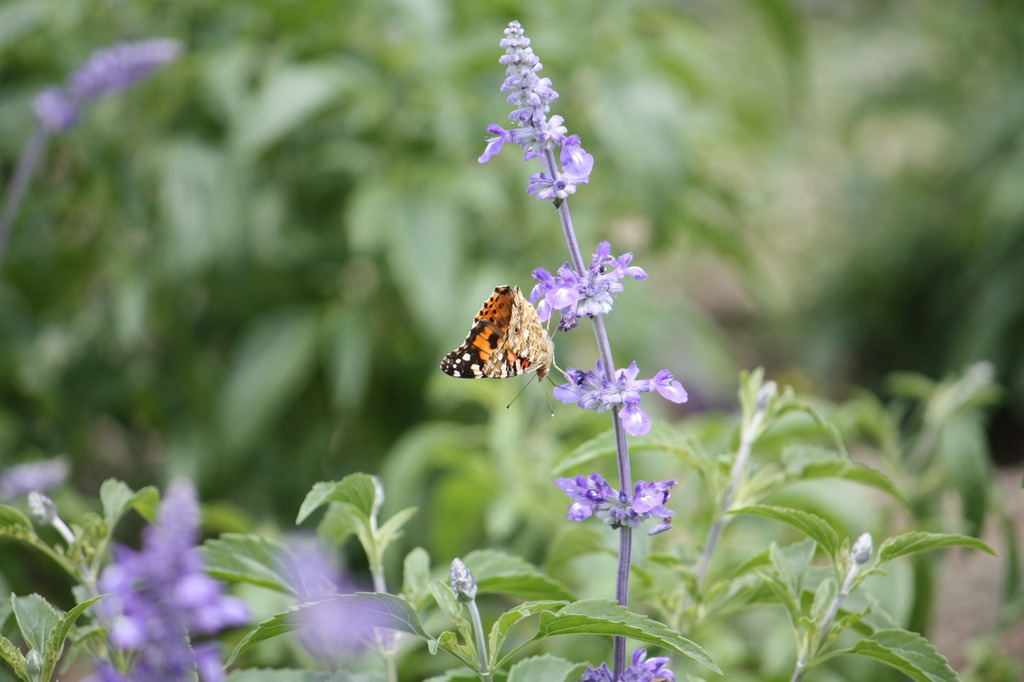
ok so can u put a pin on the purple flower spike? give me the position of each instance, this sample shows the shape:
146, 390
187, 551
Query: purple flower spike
121, 66
591, 391
330, 624
160, 596
650, 670
593, 496
108, 70
55, 110
536, 134
590, 294
33, 477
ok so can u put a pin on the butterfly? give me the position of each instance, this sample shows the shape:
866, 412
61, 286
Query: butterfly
507, 339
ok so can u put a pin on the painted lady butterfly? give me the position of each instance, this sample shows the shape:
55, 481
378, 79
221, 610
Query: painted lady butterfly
506, 339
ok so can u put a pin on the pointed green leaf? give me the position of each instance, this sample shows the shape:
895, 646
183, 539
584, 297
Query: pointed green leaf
384, 610
337, 525
500, 572
837, 466
14, 524
545, 668
391, 529
605, 617
908, 652
601, 445
508, 620
55, 640
920, 541
116, 498
362, 491
445, 598
36, 619
14, 658
416, 576
248, 559
809, 524
269, 367
289, 675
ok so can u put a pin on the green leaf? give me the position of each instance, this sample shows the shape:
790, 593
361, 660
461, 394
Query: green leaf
908, 652
337, 525
605, 617
14, 658
288, 96
445, 598
963, 448
575, 540
362, 491
36, 620
545, 668
116, 498
289, 675
269, 367
920, 541
838, 466
601, 445
416, 576
55, 640
391, 529
499, 572
384, 610
249, 559
14, 524
508, 620
811, 525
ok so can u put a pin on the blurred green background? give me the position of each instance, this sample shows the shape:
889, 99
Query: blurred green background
247, 269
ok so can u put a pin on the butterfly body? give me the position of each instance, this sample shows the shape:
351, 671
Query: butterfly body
507, 339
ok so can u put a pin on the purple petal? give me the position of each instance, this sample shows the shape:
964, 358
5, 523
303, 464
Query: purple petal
634, 419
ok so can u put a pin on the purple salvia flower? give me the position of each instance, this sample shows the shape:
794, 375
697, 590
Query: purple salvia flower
121, 66
536, 134
109, 70
639, 671
590, 391
55, 110
33, 477
589, 294
160, 596
593, 496
330, 629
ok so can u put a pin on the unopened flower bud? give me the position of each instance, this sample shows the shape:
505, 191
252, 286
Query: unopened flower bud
862, 548
34, 664
462, 581
42, 508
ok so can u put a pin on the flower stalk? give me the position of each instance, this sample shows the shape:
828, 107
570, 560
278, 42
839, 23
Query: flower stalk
860, 554
464, 585
581, 291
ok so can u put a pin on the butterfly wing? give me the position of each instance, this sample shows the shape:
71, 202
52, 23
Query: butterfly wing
506, 340
490, 326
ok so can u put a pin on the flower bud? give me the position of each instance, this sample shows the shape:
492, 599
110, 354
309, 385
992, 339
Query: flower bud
462, 581
862, 548
42, 508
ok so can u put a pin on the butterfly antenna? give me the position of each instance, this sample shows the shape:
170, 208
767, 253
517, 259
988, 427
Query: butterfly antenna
532, 377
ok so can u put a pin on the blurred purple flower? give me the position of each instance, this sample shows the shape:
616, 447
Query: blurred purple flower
109, 70
39, 476
651, 670
160, 596
592, 495
536, 134
591, 391
329, 619
589, 294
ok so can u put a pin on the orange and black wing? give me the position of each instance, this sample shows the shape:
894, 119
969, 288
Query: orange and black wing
488, 335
